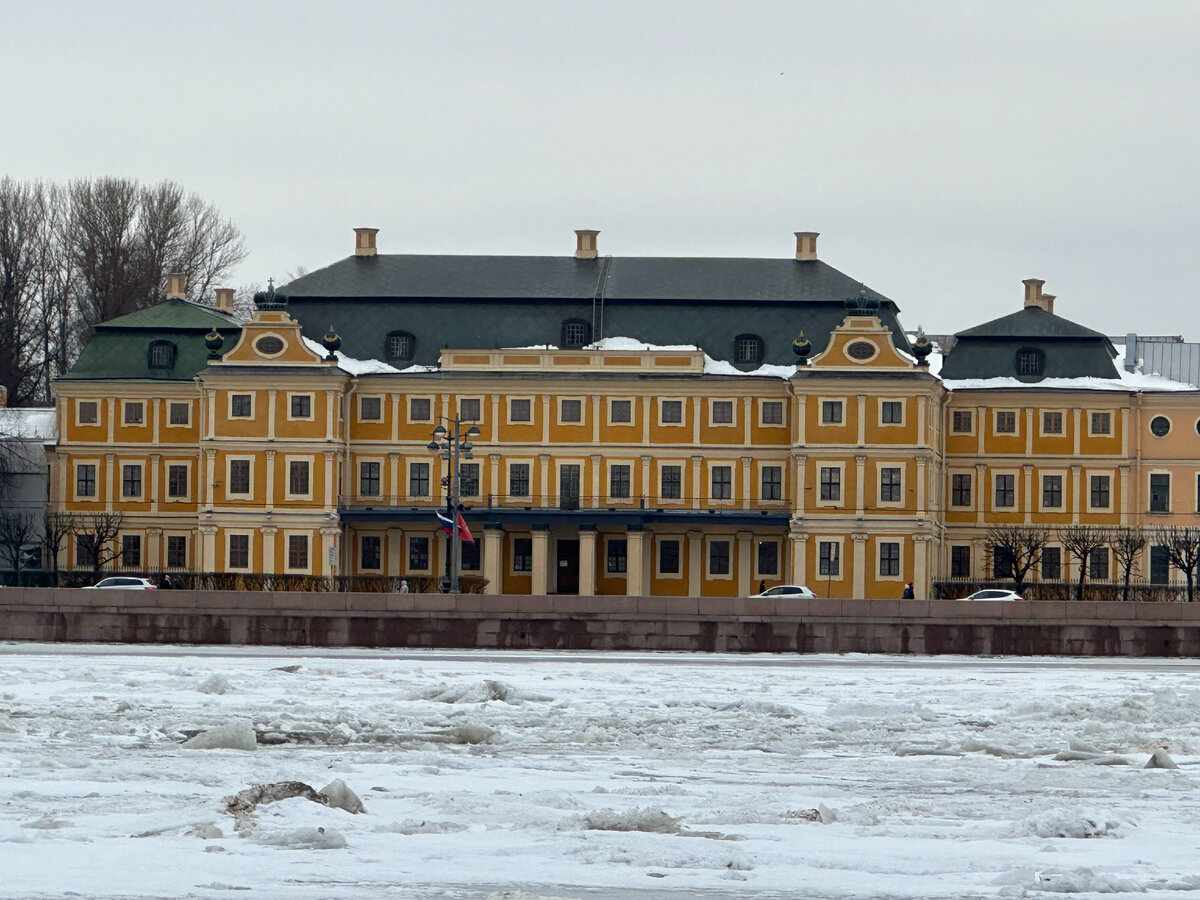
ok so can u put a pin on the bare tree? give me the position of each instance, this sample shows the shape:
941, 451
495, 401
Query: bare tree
96, 538
56, 528
1127, 547
1081, 541
1183, 551
16, 531
1017, 549
23, 230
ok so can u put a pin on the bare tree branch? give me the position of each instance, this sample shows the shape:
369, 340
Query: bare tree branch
1017, 549
1081, 541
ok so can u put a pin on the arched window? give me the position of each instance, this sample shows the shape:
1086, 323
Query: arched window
747, 348
576, 333
400, 346
1031, 362
161, 355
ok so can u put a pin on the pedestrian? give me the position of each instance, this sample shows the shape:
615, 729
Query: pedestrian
404, 585
908, 592
762, 587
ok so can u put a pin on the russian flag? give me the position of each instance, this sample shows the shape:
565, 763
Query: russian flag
447, 523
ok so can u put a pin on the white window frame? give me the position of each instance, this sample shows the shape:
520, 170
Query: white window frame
733, 413
408, 408
1042, 432
382, 409
1066, 491
508, 404
783, 416
249, 534
290, 458
1018, 488
1016, 414
126, 405
761, 576
458, 404
782, 466
709, 467
288, 534
890, 464
79, 403
821, 401
706, 565
582, 412
841, 557
659, 464
253, 403
633, 475
974, 413
879, 542
119, 487
903, 412
830, 464
970, 473
383, 473
358, 545
520, 460
408, 467
684, 403
187, 404
1086, 487
312, 406
95, 464
229, 467
632, 401
166, 476
680, 539
1100, 434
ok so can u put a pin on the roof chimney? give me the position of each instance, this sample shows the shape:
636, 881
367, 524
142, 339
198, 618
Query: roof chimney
585, 243
364, 241
1035, 297
176, 284
225, 299
806, 244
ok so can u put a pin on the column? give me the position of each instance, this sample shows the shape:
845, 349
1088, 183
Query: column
271, 414
395, 551
212, 413
493, 557
695, 540
268, 533
544, 460
587, 560
646, 421
1077, 419
269, 486
860, 564
210, 477
1122, 490
112, 420
697, 474
330, 416
330, 479
922, 421
745, 563
1078, 500
154, 467
208, 548
108, 482
1029, 432
798, 555
541, 562
862, 419
545, 421
397, 490
635, 563
329, 551
920, 576
747, 421
153, 549
156, 416
645, 491
395, 419
801, 460
596, 494
596, 419
860, 489
1027, 477
747, 485
495, 485
981, 487
922, 476
799, 432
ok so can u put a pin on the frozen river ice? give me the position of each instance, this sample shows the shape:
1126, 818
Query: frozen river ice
579, 775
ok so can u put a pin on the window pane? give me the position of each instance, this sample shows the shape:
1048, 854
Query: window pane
301, 406
239, 476
772, 412
522, 554
768, 558
1160, 493
418, 409
518, 480
179, 413
831, 483
672, 482
418, 554
668, 557
831, 411
468, 410
893, 412
960, 562
1052, 563
829, 559
418, 479
572, 411
176, 551
772, 482
615, 560
368, 479
468, 479
722, 482
131, 550
519, 411
239, 551
621, 411
618, 481
722, 412
298, 551
298, 476
240, 406
371, 552
889, 558
370, 409
718, 558
177, 481
672, 411
889, 485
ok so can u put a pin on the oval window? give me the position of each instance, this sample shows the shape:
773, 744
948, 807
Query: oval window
1160, 425
863, 350
269, 345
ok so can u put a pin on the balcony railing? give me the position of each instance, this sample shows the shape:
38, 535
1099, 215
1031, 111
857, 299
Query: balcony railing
567, 501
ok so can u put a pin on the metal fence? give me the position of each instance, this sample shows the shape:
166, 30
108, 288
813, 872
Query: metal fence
1142, 591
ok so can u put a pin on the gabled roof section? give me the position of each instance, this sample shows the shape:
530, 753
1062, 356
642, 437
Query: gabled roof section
1030, 323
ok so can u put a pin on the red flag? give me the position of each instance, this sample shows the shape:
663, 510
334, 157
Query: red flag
464, 533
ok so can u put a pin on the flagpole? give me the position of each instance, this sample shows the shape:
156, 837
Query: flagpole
450, 444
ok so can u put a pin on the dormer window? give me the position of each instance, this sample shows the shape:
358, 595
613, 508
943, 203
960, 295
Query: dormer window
1030, 362
161, 355
747, 348
401, 346
576, 333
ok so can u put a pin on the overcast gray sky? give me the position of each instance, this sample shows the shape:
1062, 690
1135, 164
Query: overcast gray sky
944, 150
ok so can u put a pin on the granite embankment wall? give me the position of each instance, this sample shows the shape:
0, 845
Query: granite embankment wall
600, 623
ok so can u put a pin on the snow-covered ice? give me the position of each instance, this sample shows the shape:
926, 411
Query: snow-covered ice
527, 775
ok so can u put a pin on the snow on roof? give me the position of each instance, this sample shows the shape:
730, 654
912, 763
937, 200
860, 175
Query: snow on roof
352, 365
1125, 381
628, 343
30, 423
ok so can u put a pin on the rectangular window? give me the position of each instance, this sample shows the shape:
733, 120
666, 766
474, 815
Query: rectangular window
519, 410
570, 412
131, 480
1052, 491
1051, 563
620, 412
85, 480
370, 409
722, 412
889, 559
961, 421
131, 550
522, 554
518, 480
672, 482
88, 412
301, 406
1101, 423
891, 412
418, 479
722, 482
468, 557
134, 412
960, 561
176, 551
468, 479
768, 558
297, 551
239, 476
419, 409
718, 557
1052, 423
370, 551
239, 551
241, 406
772, 412
615, 560
960, 490
298, 477
889, 485
1002, 562
177, 481
1160, 565
829, 558
1100, 491
831, 412
672, 412
1098, 564
831, 483
1006, 491
179, 413
772, 483
1006, 422
368, 479
85, 550
418, 554
468, 409
618, 481
1160, 492
668, 557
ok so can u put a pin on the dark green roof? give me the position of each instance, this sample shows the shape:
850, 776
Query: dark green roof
1031, 322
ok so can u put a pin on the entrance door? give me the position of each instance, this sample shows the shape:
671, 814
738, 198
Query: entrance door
567, 566
568, 486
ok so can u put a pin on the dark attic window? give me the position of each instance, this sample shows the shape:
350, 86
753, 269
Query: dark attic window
747, 348
401, 345
161, 355
1031, 362
576, 333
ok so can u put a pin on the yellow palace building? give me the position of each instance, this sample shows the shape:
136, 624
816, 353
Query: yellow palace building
648, 426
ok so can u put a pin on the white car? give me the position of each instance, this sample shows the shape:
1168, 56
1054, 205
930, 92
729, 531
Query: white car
994, 594
793, 591
122, 583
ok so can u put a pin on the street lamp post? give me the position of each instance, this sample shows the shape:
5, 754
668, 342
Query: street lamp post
452, 444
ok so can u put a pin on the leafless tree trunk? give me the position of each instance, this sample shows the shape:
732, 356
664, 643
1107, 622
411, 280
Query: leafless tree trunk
1020, 546
1080, 541
1127, 547
16, 530
1183, 551
23, 218
56, 528
96, 534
